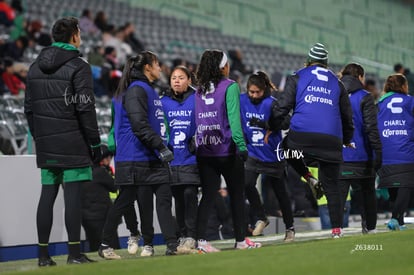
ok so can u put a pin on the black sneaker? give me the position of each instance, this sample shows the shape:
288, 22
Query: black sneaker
171, 249
46, 262
82, 259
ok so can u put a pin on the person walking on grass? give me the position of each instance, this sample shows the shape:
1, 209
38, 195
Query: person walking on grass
321, 124
396, 124
362, 161
255, 107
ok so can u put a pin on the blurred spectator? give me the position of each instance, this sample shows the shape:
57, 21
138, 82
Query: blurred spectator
123, 50
19, 22
3, 90
96, 56
110, 75
14, 49
20, 70
101, 21
179, 62
162, 84
399, 68
7, 14
129, 31
371, 86
86, 23
12, 82
110, 58
36, 34
237, 64
108, 34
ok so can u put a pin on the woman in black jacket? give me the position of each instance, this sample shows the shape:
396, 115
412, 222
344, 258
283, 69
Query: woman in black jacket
142, 157
363, 159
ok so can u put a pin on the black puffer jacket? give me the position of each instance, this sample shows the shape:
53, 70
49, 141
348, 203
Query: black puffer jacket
135, 103
369, 116
95, 194
369, 112
60, 109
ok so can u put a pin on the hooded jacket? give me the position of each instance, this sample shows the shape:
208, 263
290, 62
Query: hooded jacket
60, 109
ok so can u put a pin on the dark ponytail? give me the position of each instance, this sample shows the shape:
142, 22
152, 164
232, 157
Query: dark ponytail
133, 68
262, 81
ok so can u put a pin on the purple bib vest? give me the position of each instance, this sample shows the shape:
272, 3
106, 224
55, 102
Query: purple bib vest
213, 134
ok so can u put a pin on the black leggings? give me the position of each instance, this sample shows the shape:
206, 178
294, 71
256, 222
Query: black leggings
279, 188
44, 217
126, 198
401, 198
211, 169
186, 204
366, 187
163, 202
144, 194
328, 176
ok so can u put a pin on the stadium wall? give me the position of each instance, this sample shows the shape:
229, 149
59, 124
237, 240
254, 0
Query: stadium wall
19, 195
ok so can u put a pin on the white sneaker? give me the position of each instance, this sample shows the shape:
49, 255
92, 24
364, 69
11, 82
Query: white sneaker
186, 245
289, 236
247, 244
133, 245
108, 253
147, 251
259, 227
205, 247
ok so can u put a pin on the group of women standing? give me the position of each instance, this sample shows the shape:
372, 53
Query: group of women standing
191, 137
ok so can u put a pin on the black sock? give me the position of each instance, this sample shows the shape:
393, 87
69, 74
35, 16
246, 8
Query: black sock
43, 251
74, 249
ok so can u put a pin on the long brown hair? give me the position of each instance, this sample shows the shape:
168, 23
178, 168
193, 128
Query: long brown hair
395, 83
